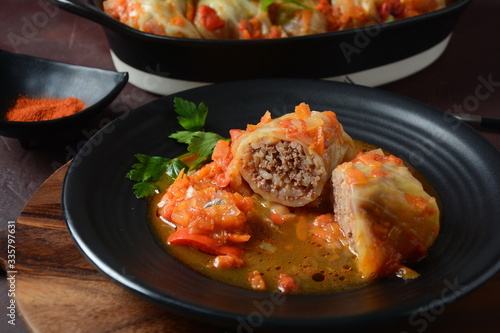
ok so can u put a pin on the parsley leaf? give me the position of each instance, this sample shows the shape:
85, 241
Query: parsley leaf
184, 136
144, 189
148, 168
199, 143
191, 117
203, 143
175, 167
148, 171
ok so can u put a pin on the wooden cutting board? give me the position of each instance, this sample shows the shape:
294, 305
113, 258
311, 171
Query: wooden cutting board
58, 290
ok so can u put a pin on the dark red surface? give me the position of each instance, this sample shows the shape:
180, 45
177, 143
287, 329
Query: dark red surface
465, 78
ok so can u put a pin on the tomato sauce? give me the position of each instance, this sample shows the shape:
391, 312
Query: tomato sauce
303, 253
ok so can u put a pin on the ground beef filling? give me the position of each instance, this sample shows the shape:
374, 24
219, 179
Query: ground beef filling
283, 169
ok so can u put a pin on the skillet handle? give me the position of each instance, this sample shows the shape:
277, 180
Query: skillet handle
84, 9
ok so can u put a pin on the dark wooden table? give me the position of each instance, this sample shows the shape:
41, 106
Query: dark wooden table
36, 28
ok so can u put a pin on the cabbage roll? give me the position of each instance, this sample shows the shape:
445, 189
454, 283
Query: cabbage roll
259, 27
289, 160
418, 7
161, 17
385, 213
300, 18
348, 14
220, 18
246, 19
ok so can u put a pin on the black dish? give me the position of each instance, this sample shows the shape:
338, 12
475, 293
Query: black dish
37, 77
108, 222
315, 56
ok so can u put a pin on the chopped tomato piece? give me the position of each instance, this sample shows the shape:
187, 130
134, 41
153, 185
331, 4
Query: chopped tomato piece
266, 118
209, 18
319, 141
286, 283
222, 153
376, 159
303, 111
293, 127
197, 202
325, 228
390, 8
222, 157
279, 213
238, 238
250, 29
276, 218
356, 177
228, 261
276, 32
235, 134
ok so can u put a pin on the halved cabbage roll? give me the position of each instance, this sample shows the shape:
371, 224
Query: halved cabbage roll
385, 213
289, 160
161, 17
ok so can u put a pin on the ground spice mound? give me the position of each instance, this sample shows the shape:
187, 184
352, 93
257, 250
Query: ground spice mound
38, 109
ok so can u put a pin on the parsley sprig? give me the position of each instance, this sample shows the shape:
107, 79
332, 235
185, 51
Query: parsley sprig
149, 170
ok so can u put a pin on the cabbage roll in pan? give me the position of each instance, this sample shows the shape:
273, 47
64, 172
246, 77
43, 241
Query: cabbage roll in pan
289, 160
161, 17
220, 18
385, 213
245, 19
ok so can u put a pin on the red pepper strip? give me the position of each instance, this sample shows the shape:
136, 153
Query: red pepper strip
202, 242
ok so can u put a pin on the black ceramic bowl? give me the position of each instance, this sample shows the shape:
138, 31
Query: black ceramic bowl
327, 55
109, 225
36, 77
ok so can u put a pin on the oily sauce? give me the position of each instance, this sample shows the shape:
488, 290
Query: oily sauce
316, 264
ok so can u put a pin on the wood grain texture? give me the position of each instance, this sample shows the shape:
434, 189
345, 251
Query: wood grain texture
58, 290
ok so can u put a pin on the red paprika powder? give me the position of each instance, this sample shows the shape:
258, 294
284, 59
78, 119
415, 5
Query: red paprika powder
38, 109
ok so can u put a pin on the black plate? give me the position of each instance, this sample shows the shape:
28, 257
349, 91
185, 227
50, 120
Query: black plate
37, 77
108, 222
